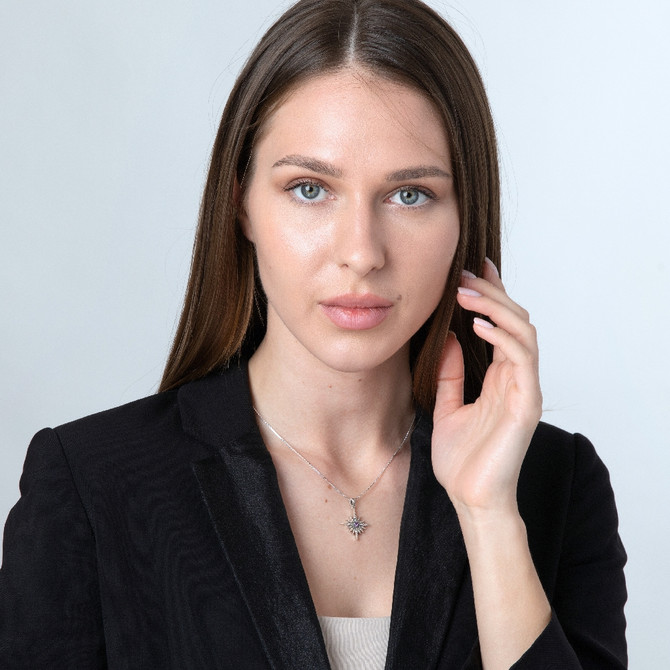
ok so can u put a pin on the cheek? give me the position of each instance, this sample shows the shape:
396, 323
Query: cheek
287, 252
432, 265
285, 237
440, 248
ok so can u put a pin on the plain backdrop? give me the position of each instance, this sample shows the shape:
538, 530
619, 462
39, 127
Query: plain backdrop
107, 116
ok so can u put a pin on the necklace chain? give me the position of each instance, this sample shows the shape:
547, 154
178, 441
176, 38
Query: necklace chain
355, 525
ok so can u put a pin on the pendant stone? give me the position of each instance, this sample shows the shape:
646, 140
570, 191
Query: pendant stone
355, 525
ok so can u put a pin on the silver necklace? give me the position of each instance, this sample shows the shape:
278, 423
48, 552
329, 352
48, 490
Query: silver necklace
354, 524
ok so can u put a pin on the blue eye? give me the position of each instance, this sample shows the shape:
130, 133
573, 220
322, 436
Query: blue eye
411, 197
309, 192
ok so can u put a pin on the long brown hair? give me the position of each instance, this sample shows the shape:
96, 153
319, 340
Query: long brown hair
403, 40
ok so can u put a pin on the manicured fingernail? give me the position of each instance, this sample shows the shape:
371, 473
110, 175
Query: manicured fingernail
483, 322
492, 265
468, 291
468, 274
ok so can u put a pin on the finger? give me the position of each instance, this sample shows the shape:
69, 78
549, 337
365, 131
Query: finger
493, 289
487, 296
507, 346
525, 381
514, 321
490, 273
478, 324
450, 378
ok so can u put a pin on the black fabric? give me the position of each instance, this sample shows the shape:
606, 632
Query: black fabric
154, 536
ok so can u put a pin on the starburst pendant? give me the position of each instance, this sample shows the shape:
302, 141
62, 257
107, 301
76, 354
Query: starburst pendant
355, 525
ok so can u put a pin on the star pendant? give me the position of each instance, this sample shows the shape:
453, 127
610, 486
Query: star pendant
355, 525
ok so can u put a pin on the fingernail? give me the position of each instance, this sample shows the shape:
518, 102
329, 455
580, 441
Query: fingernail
468, 291
492, 266
483, 322
468, 274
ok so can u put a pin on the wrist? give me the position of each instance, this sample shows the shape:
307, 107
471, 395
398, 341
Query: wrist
501, 507
491, 526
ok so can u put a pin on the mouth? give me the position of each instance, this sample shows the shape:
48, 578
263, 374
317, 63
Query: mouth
356, 312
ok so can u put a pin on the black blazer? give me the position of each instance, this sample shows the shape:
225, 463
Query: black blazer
154, 536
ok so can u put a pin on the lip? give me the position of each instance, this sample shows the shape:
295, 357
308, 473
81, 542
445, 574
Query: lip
356, 311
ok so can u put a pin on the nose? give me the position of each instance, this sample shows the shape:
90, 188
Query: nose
360, 243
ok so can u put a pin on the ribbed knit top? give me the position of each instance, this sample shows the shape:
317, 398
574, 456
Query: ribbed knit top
358, 643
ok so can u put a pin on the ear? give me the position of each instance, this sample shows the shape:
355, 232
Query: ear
240, 207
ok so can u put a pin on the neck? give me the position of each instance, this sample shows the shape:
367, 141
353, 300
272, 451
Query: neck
349, 417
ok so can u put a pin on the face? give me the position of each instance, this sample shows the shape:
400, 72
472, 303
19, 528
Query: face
352, 210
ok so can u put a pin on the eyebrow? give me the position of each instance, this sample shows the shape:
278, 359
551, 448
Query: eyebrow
418, 172
312, 164
321, 167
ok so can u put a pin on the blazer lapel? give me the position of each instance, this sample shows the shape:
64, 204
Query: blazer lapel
431, 574
240, 489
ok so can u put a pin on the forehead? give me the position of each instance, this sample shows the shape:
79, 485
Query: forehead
353, 112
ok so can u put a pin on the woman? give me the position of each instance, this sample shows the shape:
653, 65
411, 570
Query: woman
342, 464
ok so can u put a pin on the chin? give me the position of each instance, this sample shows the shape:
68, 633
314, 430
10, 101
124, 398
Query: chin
361, 359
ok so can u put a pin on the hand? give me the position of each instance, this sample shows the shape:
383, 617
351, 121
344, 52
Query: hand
478, 449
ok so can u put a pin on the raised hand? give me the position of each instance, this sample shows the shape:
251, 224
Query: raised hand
477, 452
478, 448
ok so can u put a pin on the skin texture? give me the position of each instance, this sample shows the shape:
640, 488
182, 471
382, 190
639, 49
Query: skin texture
355, 236
351, 194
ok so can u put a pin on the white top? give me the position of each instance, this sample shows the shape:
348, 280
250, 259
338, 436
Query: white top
358, 643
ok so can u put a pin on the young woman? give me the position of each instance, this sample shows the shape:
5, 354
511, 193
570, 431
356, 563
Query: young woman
344, 464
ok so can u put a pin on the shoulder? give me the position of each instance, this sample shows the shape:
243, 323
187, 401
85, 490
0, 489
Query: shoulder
104, 451
139, 416
557, 465
166, 429
119, 425
142, 449
566, 500
132, 422
559, 460
194, 409
551, 442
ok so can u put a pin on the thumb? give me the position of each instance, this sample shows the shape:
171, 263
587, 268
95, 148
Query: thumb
450, 378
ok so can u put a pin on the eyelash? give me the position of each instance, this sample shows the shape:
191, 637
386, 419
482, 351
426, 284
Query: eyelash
419, 189
303, 182
311, 182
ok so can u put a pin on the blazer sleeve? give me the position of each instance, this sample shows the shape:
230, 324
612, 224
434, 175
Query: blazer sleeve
50, 615
587, 628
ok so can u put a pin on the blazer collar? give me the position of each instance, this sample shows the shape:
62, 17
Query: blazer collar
432, 564
218, 408
240, 489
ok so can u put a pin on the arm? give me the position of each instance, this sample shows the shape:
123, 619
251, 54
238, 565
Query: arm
49, 598
478, 450
477, 454
511, 606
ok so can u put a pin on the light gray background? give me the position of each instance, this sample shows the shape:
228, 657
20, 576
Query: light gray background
107, 116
